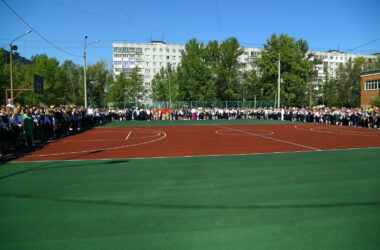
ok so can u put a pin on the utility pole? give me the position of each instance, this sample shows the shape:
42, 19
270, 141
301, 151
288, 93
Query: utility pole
84, 72
279, 82
85, 68
11, 48
310, 96
170, 91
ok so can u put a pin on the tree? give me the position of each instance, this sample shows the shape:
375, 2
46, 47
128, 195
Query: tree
347, 82
127, 88
117, 89
55, 81
251, 88
210, 72
296, 69
135, 89
97, 75
73, 78
164, 85
194, 74
228, 71
374, 64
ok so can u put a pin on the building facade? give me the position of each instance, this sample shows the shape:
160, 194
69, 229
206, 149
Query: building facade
151, 57
370, 87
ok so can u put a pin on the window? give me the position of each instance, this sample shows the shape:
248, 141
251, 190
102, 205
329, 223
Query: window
154, 70
154, 63
161, 50
147, 63
174, 58
173, 50
161, 57
154, 49
138, 49
180, 50
167, 57
167, 50
372, 85
154, 56
147, 70
147, 49
147, 85
246, 53
147, 56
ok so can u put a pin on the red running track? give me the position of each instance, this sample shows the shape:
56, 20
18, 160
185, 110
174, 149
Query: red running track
179, 141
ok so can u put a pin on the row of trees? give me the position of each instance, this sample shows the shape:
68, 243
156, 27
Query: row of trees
344, 89
213, 72
208, 72
63, 84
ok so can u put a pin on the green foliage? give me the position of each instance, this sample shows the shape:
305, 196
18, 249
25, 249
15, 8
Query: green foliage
376, 102
117, 90
374, 64
63, 84
127, 88
164, 85
207, 73
97, 80
296, 70
134, 88
344, 89
210, 72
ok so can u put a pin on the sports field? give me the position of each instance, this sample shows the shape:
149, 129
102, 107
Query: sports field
240, 184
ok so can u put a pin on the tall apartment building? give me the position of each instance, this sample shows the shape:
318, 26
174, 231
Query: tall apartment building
331, 61
151, 57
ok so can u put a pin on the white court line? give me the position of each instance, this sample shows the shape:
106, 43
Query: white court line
221, 132
160, 133
174, 157
126, 138
270, 138
336, 131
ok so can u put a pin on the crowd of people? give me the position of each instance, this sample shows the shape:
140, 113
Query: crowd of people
26, 126
357, 117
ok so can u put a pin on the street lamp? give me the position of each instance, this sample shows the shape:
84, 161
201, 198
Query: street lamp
11, 48
84, 68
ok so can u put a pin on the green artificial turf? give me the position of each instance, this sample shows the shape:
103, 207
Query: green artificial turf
302, 200
193, 122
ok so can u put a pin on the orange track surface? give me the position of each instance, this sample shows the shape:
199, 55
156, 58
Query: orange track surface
174, 141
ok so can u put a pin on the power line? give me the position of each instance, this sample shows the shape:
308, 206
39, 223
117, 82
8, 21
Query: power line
365, 44
35, 31
131, 22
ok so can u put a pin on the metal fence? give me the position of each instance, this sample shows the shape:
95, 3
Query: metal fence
194, 104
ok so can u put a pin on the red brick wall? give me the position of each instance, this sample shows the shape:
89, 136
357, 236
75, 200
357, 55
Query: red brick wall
367, 95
